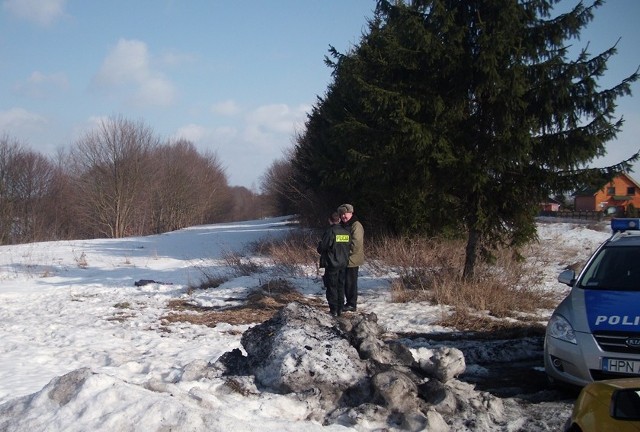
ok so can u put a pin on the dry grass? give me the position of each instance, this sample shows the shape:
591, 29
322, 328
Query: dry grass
208, 282
292, 254
241, 265
430, 270
501, 295
467, 319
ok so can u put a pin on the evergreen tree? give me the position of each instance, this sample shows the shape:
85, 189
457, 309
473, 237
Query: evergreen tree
462, 116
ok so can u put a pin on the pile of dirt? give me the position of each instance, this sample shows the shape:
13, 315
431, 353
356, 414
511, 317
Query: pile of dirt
343, 367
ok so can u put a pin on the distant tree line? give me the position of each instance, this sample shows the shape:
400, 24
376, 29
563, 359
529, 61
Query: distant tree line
117, 180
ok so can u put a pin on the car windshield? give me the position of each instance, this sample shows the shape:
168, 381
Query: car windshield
615, 268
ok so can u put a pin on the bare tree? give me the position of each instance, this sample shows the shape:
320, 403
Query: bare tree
112, 172
276, 184
60, 205
245, 205
285, 194
214, 188
25, 185
191, 189
8, 149
31, 175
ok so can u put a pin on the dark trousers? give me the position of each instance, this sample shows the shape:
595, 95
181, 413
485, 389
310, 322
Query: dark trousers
334, 283
351, 286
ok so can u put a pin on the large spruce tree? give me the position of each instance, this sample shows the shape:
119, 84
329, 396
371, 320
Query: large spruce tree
461, 116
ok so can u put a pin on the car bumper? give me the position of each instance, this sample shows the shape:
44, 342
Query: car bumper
565, 362
573, 364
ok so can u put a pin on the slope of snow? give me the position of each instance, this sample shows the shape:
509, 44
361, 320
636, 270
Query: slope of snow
71, 307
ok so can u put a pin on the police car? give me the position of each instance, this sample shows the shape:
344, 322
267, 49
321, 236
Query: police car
594, 334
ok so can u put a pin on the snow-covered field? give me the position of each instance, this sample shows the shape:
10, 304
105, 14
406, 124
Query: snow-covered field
73, 306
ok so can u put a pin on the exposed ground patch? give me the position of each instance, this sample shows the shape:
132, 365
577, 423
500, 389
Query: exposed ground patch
260, 305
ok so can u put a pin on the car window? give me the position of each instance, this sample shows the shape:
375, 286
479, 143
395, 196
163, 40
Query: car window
626, 404
614, 268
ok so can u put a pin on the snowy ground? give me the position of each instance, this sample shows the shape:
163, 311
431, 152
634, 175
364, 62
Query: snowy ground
72, 306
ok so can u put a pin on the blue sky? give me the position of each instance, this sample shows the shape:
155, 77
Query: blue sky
236, 78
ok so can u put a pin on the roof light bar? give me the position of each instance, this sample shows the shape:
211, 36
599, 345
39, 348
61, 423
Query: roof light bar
625, 224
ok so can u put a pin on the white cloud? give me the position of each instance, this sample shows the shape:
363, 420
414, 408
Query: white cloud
191, 132
155, 91
248, 145
226, 108
41, 12
274, 126
29, 128
279, 118
127, 61
206, 137
40, 85
264, 127
92, 123
16, 121
128, 67
268, 127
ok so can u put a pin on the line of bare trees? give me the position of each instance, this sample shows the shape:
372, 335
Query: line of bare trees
117, 180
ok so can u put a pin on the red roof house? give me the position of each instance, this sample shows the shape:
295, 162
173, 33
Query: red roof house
614, 197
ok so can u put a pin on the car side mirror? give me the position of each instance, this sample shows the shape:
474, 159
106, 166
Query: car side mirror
625, 404
567, 277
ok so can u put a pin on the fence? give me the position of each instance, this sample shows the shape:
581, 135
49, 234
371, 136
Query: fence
568, 214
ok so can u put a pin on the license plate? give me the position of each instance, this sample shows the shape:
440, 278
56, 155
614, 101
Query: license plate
622, 366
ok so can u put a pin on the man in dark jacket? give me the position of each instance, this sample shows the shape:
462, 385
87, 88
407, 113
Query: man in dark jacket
356, 255
334, 257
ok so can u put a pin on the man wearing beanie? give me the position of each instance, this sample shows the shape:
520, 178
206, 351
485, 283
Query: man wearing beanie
356, 255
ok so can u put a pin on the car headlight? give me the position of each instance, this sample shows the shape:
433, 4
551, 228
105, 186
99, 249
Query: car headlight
559, 328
